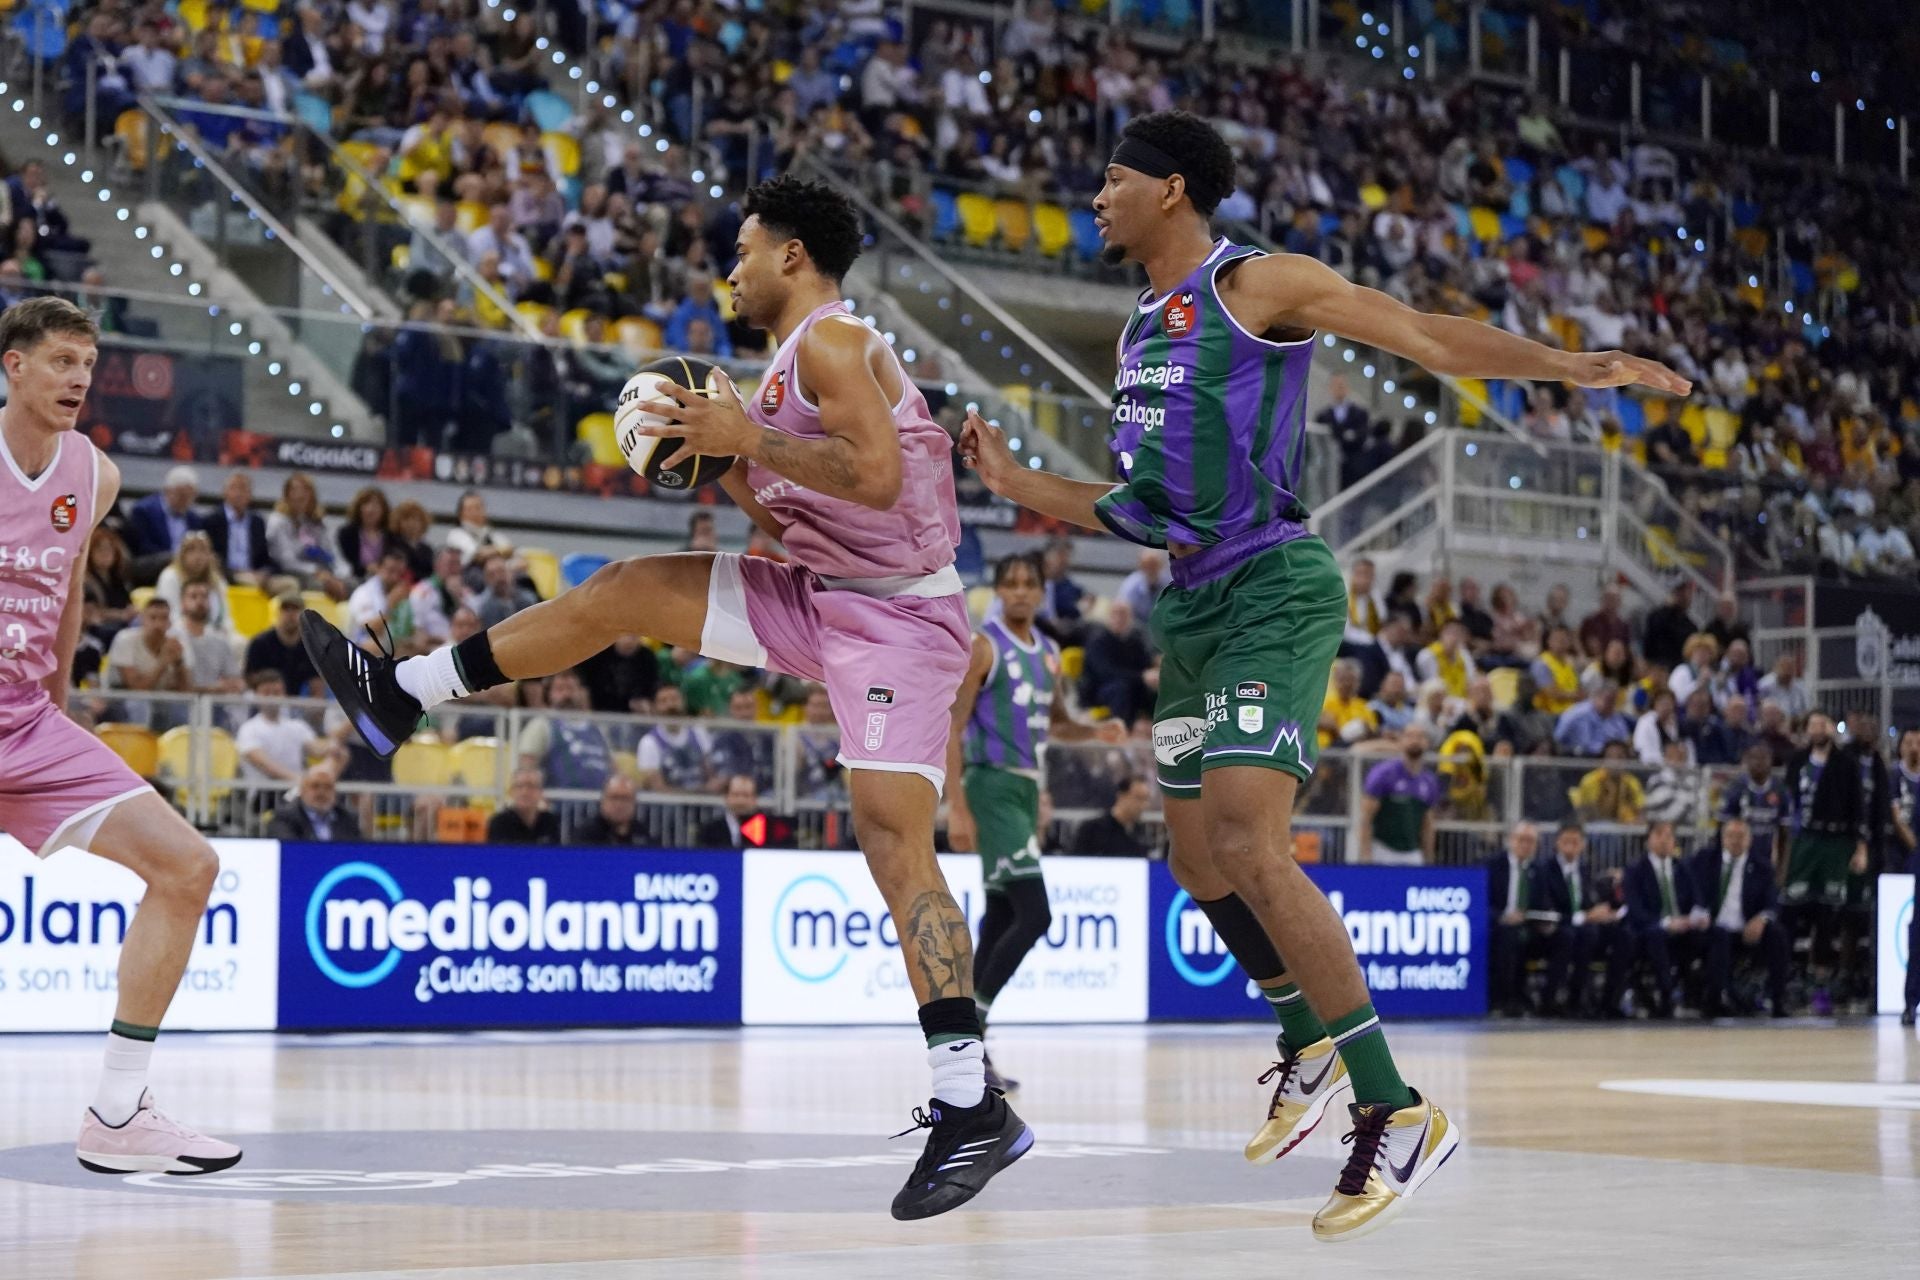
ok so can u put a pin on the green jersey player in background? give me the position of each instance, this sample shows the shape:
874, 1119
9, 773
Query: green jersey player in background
1209, 441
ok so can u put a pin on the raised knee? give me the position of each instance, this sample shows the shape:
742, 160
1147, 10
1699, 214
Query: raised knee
190, 872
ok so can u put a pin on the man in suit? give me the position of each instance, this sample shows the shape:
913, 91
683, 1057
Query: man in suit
1743, 904
1578, 924
317, 814
1386, 652
616, 822
526, 819
1349, 424
239, 534
1508, 891
1664, 914
158, 521
723, 832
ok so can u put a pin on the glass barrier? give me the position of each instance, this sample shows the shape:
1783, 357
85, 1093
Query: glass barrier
1269, 20
1741, 113
1503, 42
1670, 100
1600, 84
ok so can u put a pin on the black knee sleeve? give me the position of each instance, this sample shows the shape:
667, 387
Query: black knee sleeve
1026, 903
994, 924
1245, 936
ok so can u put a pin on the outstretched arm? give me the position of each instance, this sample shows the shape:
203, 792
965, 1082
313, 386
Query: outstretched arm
983, 447
1291, 291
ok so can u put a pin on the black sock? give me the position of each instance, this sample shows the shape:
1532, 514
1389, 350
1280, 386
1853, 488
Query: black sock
473, 659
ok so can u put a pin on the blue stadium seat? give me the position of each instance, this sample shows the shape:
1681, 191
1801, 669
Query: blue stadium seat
578, 567
1519, 172
1633, 418
1086, 234
314, 110
1522, 204
946, 214
1571, 181
549, 110
1804, 282
1512, 226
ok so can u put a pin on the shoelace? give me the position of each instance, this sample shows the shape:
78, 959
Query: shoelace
384, 636
1287, 1068
160, 1120
1369, 1131
922, 1119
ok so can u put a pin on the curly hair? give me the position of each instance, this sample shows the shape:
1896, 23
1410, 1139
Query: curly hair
813, 213
1206, 161
1003, 569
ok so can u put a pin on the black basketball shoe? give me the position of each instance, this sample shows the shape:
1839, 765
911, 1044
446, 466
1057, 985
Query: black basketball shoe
967, 1147
384, 713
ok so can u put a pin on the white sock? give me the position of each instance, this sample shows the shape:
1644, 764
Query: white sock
959, 1072
124, 1079
431, 679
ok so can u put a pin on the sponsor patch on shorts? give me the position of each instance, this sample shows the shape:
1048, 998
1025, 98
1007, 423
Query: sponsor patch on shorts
1253, 689
880, 694
876, 729
1251, 718
1178, 737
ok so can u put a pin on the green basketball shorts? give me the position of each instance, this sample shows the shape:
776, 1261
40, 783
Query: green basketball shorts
1244, 665
1817, 869
1006, 816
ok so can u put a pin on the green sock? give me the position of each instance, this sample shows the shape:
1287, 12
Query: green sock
1363, 1047
1299, 1025
134, 1031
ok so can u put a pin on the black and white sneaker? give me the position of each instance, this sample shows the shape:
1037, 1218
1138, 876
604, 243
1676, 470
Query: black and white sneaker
384, 713
967, 1147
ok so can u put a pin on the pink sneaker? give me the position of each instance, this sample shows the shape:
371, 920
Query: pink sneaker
150, 1143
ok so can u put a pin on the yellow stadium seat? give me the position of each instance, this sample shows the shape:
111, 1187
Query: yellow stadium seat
1657, 410
1505, 682
176, 762
475, 763
573, 324
332, 610
544, 568
535, 312
723, 300
1595, 238
978, 598
365, 154
1723, 428
1373, 196
194, 14
501, 136
1073, 661
249, 608
1752, 241
130, 127
469, 216
639, 335
1016, 222
1713, 459
1693, 421
140, 596
422, 761
1485, 223
564, 151
597, 430
1473, 394
1052, 229
133, 743
978, 221
542, 269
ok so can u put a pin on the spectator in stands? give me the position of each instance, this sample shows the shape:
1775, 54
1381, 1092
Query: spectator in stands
407, 529
1742, 903
615, 822
1705, 731
34, 205
438, 596
1397, 809
1698, 671
239, 534
725, 829
1738, 679
1673, 793
435, 252
1554, 614
1555, 674
1884, 549
149, 64
1583, 927
526, 819
1599, 629
622, 677
279, 648
819, 742
157, 523
363, 534
1060, 603
298, 540
570, 751
1346, 718
1783, 687
510, 248
1349, 425
1523, 729
1509, 873
273, 747
503, 596
1139, 589
193, 562
1478, 622
1587, 727
1117, 663
674, 755
1385, 654
1774, 730
1667, 627
743, 751
1402, 601
1669, 448
697, 303
1658, 725
1365, 610
1448, 659
1609, 793
1664, 913
1614, 663
387, 598
471, 533
1118, 832
1392, 706
109, 581
1515, 640
1839, 543
1434, 710
213, 666
317, 814
1727, 624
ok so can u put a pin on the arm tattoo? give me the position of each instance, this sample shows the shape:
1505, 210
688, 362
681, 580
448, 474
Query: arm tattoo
824, 464
942, 945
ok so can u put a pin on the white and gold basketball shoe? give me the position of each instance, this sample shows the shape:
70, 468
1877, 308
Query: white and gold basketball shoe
1394, 1153
1307, 1083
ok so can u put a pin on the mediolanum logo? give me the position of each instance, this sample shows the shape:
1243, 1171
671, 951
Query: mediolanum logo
815, 928
1197, 953
357, 938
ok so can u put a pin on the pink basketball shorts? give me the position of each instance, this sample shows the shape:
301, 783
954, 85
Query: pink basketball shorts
891, 665
56, 779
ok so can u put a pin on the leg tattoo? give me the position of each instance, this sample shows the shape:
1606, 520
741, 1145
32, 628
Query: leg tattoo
942, 944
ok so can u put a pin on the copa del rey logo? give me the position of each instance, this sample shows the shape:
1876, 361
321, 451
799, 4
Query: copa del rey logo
775, 393
1177, 317
65, 508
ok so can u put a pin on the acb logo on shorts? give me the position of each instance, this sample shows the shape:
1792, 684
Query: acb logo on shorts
1252, 689
880, 694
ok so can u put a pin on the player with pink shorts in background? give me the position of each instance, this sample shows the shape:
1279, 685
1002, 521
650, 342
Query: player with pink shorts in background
61, 787
840, 460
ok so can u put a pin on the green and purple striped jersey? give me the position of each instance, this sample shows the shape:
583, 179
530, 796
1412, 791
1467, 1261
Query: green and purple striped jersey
1209, 422
1010, 718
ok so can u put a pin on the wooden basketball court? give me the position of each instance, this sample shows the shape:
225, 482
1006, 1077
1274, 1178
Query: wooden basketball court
1751, 1150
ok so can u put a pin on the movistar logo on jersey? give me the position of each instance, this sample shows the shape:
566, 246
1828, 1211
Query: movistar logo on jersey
1147, 416
1151, 375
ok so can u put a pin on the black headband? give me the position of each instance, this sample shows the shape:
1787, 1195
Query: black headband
1144, 157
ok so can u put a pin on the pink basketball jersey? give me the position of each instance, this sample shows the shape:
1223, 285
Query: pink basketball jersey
44, 525
837, 538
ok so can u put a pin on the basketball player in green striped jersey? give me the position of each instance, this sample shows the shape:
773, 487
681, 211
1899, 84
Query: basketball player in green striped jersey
1010, 703
1209, 440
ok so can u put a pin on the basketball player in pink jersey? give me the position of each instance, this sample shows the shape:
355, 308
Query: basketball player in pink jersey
60, 786
841, 461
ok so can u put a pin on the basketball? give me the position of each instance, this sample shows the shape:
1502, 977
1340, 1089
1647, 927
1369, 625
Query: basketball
645, 453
